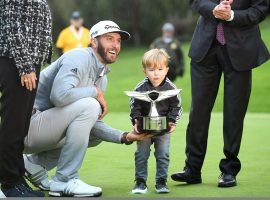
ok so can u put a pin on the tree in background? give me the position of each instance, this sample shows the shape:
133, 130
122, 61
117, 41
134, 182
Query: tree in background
142, 18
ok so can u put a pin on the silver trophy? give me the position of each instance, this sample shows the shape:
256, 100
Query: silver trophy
153, 123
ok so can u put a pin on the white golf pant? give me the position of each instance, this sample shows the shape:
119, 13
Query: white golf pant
60, 136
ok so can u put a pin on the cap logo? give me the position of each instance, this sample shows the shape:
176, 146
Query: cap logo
96, 32
111, 27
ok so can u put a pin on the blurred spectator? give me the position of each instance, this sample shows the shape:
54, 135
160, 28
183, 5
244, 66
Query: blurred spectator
173, 47
74, 36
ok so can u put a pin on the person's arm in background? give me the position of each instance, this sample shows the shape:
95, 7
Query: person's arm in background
60, 44
88, 34
180, 58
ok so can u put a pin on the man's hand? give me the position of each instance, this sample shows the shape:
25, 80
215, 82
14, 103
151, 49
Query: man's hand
229, 1
171, 127
223, 10
101, 99
29, 81
135, 136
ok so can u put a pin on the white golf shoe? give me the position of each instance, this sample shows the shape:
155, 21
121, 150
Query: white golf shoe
36, 174
73, 188
2, 194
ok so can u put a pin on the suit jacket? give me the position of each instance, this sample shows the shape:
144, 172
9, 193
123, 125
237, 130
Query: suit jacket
243, 38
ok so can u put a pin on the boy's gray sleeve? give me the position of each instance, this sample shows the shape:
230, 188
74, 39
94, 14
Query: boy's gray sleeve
106, 133
65, 88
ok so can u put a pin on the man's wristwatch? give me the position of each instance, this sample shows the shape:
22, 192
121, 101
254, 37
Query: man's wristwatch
124, 139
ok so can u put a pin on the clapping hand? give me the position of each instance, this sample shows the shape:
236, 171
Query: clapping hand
223, 10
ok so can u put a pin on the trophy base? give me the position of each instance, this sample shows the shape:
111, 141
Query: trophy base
153, 125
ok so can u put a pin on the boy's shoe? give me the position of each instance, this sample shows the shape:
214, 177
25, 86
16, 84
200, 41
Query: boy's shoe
73, 188
161, 186
36, 174
140, 187
22, 189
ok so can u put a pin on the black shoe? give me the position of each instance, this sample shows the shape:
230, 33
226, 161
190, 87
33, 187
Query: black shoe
161, 186
37, 193
187, 176
140, 187
21, 190
226, 180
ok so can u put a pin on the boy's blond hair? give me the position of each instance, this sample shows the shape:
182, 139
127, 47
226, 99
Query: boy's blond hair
155, 58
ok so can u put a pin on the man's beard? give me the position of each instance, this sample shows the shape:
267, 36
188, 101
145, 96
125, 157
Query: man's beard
102, 52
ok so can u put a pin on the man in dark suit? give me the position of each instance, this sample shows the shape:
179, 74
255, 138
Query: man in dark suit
226, 40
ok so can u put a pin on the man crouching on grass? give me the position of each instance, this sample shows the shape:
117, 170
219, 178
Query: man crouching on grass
67, 114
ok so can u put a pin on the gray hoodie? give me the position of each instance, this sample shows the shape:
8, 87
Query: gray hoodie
71, 77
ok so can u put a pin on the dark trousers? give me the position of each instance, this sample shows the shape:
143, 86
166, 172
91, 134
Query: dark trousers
16, 107
205, 79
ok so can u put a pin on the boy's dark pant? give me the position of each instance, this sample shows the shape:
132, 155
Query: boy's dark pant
16, 108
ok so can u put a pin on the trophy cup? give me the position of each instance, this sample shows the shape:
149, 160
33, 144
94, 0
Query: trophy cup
153, 123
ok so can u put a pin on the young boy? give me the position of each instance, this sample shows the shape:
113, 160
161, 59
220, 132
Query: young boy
155, 66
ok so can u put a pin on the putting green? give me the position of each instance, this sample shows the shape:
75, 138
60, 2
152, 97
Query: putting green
111, 166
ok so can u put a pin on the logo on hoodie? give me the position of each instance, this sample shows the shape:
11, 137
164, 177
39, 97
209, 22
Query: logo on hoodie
75, 71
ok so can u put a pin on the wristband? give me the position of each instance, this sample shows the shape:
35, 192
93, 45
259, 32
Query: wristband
124, 139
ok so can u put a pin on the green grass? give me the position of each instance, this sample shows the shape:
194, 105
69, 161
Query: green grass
111, 166
127, 72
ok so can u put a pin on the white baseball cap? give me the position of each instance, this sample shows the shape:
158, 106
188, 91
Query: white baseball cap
168, 27
107, 26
